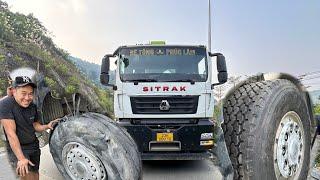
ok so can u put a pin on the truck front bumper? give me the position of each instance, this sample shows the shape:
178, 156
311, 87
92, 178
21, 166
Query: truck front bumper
190, 141
176, 156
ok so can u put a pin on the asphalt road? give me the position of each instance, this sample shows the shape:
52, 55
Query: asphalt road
152, 170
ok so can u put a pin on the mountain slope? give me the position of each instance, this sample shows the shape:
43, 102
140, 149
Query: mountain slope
91, 70
24, 42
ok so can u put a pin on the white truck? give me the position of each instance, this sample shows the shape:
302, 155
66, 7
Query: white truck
163, 97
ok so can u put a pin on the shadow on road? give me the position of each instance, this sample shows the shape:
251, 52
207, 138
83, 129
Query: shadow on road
176, 165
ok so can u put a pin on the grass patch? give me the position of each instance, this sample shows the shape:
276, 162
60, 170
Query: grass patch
2, 58
70, 89
105, 100
62, 68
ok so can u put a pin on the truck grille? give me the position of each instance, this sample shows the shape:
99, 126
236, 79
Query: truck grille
151, 105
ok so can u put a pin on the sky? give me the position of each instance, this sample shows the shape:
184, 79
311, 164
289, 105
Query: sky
254, 35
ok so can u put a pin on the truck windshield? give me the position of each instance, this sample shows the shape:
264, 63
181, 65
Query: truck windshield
163, 64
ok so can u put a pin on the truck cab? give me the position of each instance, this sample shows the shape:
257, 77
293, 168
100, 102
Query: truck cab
163, 97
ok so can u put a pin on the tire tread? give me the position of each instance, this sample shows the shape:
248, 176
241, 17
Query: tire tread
240, 113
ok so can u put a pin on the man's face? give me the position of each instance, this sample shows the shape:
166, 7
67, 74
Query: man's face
23, 95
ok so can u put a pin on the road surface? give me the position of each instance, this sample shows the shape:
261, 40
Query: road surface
152, 170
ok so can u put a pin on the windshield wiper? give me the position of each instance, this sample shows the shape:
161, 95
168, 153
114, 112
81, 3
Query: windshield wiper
136, 81
183, 80
143, 80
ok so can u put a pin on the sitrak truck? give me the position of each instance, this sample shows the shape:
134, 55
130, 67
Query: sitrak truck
163, 98
164, 104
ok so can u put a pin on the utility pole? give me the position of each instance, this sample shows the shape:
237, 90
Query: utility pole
209, 26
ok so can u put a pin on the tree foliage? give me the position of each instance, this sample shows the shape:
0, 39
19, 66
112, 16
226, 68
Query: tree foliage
30, 43
316, 109
17, 28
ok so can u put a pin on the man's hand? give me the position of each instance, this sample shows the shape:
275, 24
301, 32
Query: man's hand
22, 167
52, 123
39, 128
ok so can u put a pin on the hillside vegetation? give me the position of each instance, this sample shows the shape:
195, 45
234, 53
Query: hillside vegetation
25, 42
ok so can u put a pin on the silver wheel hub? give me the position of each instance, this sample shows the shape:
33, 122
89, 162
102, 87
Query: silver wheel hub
81, 163
289, 146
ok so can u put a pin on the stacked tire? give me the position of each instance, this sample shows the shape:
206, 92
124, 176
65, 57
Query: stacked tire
267, 131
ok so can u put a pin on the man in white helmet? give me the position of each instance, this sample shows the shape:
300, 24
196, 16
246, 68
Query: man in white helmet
19, 117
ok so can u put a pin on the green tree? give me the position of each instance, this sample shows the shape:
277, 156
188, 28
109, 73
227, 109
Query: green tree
316, 109
70, 89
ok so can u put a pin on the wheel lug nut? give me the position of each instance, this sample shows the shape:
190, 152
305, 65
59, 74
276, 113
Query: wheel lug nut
79, 154
93, 169
283, 150
286, 136
290, 170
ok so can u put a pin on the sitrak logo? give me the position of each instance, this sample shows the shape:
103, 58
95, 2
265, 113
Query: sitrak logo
164, 105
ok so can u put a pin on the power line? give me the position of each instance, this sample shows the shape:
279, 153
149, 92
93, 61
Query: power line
311, 84
310, 78
308, 74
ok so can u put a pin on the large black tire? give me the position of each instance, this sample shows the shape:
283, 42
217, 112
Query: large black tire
92, 145
253, 117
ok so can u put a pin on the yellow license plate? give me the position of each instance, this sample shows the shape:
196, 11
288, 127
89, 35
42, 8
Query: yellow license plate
164, 137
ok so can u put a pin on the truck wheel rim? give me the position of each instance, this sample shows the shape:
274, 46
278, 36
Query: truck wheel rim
289, 146
81, 163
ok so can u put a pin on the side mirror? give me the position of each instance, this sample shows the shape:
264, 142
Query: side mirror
104, 74
221, 68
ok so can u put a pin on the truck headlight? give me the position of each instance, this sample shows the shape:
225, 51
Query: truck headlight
206, 136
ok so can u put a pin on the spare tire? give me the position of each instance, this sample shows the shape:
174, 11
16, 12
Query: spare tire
92, 146
267, 131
